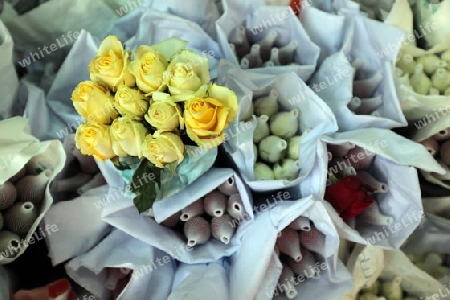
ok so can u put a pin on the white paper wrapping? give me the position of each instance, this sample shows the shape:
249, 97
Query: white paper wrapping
202, 12
417, 107
434, 13
334, 6
80, 226
432, 235
17, 148
33, 29
155, 26
252, 14
120, 212
325, 30
374, 50
250, 274
153, 270
401, 17
293, 93
336, 76
277, 2
57, 106
201, 281
9, 83
334, 81
270, 279
394, 165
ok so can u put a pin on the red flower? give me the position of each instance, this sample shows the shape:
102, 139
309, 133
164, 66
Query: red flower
349, 197
59, 288
296, 6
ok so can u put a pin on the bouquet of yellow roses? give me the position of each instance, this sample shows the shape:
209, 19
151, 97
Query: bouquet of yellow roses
149, 108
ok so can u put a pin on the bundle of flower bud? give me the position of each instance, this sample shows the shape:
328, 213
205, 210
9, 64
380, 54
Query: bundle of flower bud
265, 53
365, 101
350, 186
296, 246
276, 139
439, 146
20, 200
431, 263
385, 289
437, 265
427, 75
217, 213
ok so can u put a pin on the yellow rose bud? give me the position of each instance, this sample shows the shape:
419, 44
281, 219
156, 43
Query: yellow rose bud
186, 73
148, 67
94, 103
110, 66
127, 136
164, 114
163, 148
130, 102
207, 115
94, 139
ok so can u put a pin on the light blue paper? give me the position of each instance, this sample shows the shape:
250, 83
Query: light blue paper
196, 162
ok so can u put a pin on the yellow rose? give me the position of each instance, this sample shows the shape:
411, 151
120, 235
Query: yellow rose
110, 66
207, 115
148, 67
127, 136
164, 114
94, 103
130, 102
94, 139
163, 148
186, 73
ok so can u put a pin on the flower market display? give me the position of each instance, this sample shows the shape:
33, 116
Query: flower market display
226, 149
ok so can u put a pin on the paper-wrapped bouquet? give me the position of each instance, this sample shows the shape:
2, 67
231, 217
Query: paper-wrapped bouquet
151, 112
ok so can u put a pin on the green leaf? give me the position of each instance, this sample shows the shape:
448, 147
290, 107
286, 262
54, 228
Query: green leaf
169, 47
172, 167
196, 162
126, 162
146, 192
